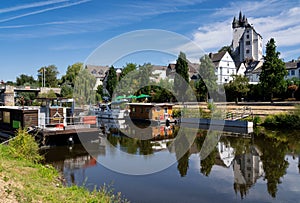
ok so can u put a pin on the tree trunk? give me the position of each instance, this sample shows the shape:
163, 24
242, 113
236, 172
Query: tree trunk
272, 97
236, 100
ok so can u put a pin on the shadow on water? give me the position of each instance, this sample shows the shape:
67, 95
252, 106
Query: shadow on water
267, 160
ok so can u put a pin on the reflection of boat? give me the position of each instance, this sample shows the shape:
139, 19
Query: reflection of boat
107, 112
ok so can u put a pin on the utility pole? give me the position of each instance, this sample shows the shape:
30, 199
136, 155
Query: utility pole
44, 78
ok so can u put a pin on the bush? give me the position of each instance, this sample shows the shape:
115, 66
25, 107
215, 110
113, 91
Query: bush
176, 113
283, 120
24, 146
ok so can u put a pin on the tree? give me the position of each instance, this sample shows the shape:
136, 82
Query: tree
111, 80
50, 76
25, 80
273, 71
145, 72
181, 79
71, 74
83, 89
226, 48
207, 83
67, 81
127, 69
238, 87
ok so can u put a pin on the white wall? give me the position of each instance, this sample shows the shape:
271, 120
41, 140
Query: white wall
226, 69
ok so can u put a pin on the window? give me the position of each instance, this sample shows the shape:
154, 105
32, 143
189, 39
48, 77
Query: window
158, 109
247, 51
133, 109
166, 110
292, 72
248, 43
227, 71
6, 117
227, 63
247, 36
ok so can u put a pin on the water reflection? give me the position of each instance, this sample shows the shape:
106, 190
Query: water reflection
258, 160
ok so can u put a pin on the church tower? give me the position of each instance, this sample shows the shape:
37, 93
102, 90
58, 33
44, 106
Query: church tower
246, 42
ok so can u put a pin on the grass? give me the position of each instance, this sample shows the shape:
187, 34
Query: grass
23, 180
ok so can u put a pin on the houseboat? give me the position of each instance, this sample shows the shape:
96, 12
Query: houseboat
151, 112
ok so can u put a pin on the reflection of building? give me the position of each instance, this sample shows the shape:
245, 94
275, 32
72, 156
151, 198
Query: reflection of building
247, 169
226, 153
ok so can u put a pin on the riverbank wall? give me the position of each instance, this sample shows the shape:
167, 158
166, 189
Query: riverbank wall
261, 109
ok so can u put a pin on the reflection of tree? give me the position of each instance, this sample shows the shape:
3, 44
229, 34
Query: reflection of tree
145, 147
208, 162
183, 164
131, 145
274, 163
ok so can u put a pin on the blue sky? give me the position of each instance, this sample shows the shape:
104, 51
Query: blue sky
62, 32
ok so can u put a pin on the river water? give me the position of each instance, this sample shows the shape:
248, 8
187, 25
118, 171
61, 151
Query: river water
263, 167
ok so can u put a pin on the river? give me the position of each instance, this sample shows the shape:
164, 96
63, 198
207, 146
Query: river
261, 168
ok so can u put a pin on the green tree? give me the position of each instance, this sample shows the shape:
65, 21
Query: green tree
23, 80
273, 71
83, 91
127, 69
238, 87
67, 81
225, 48
181, 79
50, 76
66, 90
145, 72
128, 80
111, 80
99, 93
71, 74
207, 84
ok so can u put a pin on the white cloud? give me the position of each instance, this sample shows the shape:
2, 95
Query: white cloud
44, 10
32, 5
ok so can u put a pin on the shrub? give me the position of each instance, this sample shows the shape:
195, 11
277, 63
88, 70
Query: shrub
283, 120
24, 146
176, 113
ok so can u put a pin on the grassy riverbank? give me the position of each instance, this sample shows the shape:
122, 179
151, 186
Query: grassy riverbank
22, 180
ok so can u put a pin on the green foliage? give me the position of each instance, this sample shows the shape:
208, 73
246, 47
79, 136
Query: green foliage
66, 90
71, 74
111, 80
83, 91
283, 120
51, 94
24, 80
181, 79
28, 98
67, 81
256, 120
237, 88
273, 71
24, 146
51, 73
225, 48
207, 84
99, 93
176, 113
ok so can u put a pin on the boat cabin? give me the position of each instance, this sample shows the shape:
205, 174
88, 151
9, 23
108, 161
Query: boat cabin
150, 111
14, 117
